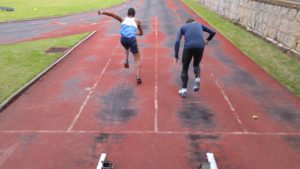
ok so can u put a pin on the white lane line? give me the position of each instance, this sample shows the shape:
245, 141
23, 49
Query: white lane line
176, 14
6, 153
101, 160
92, 90
156, 80
236, 133
211, 160
237, 117
225, 96
178, 17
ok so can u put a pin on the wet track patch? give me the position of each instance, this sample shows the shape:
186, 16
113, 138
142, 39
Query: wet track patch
287, 115
72, 87
197, 153
270, 99
91, 58
116, 105
195, 116
294, 142
103, 142
104, 137
239, 76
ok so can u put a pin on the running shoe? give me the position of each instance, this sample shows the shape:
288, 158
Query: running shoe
138, 79
182, 92
196, 88
126, 64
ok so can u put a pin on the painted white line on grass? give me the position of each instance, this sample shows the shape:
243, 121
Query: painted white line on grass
211, 160
92, 90
101, 160
156, 80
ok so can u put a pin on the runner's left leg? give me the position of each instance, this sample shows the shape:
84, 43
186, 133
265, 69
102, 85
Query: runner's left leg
197, 54
125, 43
126, 62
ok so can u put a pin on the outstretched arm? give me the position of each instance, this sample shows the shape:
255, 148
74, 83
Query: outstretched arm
113, 15
140, 28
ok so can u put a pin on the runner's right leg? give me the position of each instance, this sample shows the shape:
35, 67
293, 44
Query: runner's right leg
137, 59
125, 43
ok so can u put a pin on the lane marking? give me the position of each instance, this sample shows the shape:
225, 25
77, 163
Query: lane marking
156, 80
179, 20
211, 160
92, 90
225, 96
177, 16
6, 153
237, 117
101, 160
235, 133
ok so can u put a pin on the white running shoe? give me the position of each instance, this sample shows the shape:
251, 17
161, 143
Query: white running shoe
196, 88
182, 92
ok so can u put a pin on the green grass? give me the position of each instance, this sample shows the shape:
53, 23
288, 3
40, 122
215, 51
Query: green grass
19, 63
282, 67
27, 9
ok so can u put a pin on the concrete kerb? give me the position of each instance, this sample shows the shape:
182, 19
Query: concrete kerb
20, 91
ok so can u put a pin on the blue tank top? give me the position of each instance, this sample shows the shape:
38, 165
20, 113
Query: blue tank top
128, 28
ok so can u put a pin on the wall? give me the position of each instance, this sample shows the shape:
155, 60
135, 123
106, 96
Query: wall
276, 20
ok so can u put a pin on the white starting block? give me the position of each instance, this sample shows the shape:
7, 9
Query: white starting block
102, 164
210, 163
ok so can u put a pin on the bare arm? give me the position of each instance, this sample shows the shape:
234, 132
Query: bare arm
113, 15
140, 28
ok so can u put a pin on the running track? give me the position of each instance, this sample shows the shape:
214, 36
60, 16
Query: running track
89, 104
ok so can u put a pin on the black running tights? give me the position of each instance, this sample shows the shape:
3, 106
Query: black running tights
187, 56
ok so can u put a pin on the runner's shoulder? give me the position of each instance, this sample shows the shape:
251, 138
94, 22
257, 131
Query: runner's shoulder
137, 21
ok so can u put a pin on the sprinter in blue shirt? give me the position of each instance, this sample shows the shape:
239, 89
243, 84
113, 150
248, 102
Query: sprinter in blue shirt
193, 48
130, 28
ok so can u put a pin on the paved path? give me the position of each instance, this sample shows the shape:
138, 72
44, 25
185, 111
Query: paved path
89, 104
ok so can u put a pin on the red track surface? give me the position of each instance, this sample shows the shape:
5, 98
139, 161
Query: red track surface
89, 104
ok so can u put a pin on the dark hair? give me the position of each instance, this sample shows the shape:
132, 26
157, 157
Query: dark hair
131, 12
190, 20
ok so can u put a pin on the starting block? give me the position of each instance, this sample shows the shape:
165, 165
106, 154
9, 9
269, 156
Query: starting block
209, 162
104, 164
